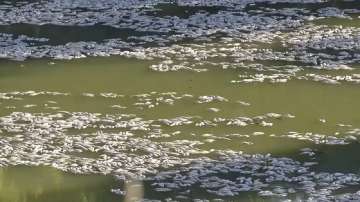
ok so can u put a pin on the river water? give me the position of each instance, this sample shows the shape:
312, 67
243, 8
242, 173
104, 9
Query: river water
263, 107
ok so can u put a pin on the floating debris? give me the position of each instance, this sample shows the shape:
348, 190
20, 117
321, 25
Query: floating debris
211, 98
276, 42
254, 173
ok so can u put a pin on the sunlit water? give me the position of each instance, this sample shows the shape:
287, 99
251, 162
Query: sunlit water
47, 159
307, 101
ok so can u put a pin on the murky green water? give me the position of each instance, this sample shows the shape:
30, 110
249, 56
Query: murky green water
71, 128
45, 184
308, 101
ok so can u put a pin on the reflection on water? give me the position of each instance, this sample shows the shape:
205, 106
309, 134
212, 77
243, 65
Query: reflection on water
25, 184
134, 191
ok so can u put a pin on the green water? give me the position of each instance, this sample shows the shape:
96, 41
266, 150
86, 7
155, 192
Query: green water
306, 106
44, 184
308, 101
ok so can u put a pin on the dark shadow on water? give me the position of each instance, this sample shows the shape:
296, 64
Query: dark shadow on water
17, 2
310, 6
331, 158
164, 10
58, 34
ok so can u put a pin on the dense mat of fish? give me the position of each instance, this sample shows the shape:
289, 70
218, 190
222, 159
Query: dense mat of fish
192, 36
130, 147
248, 31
